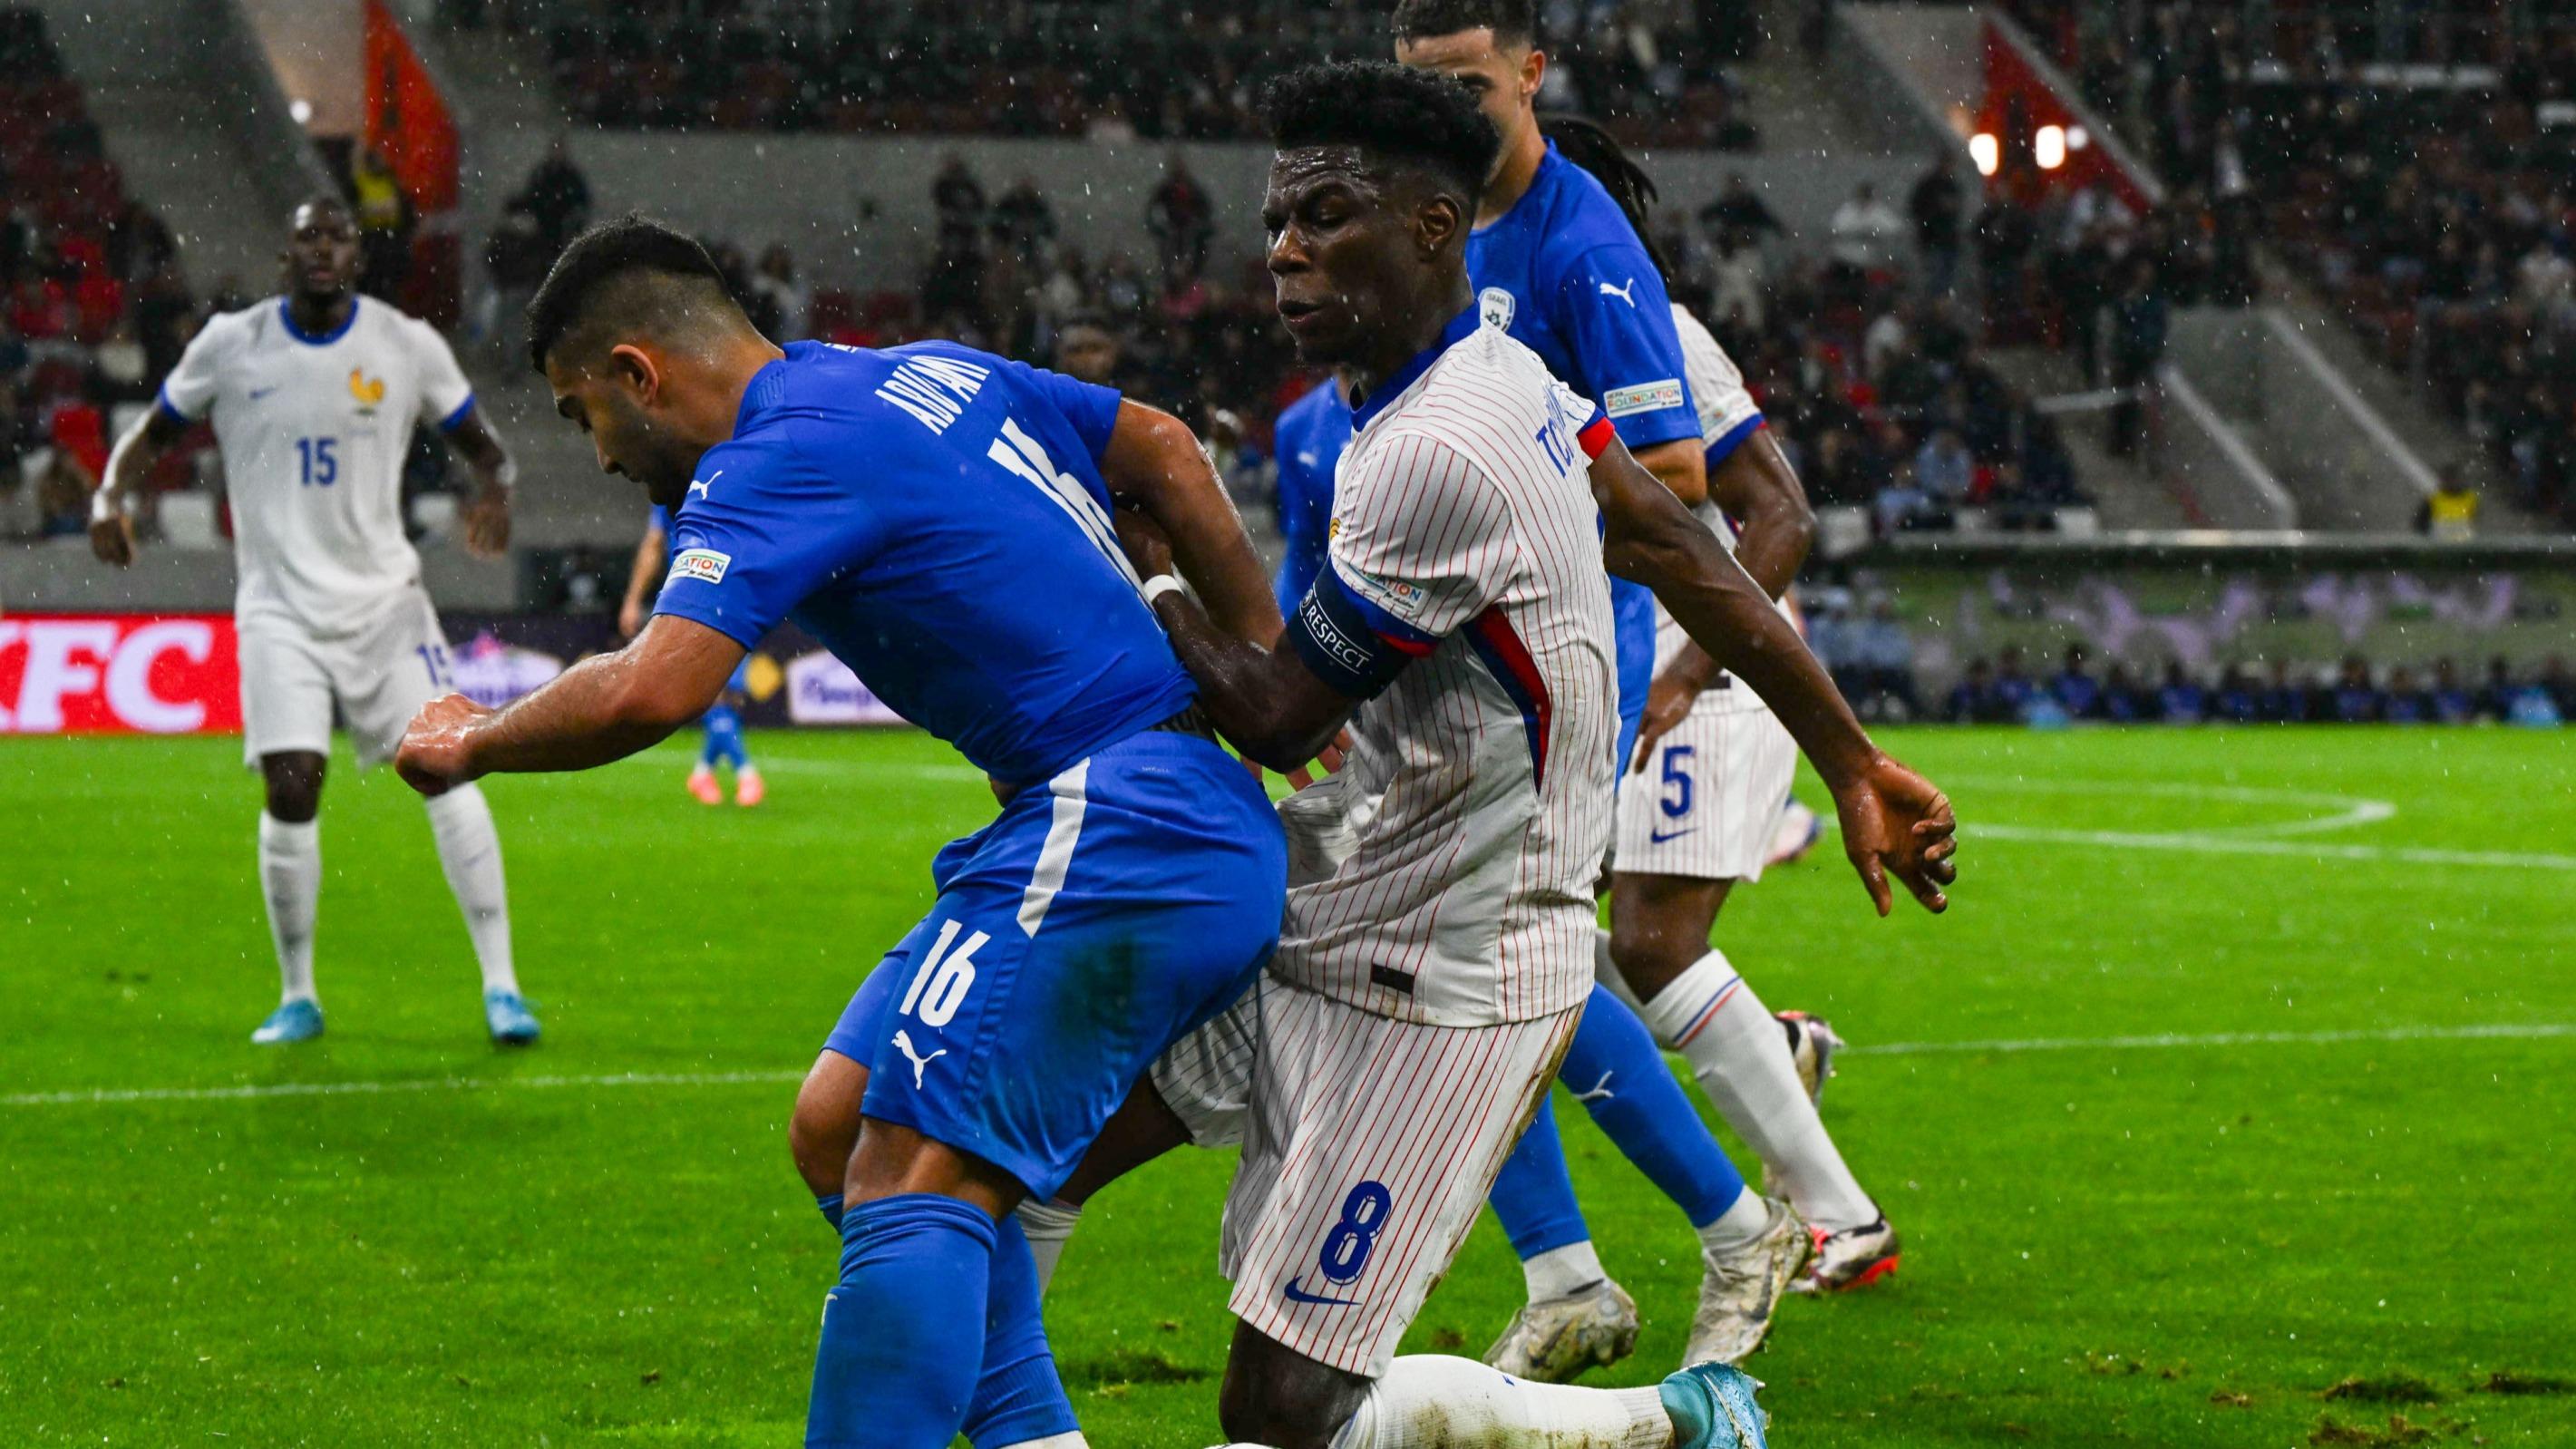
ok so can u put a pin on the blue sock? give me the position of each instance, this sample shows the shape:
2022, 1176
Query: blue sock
892, 1371
1532, 1196
831, 1207
724, 738
1019, 1398
1615, 1069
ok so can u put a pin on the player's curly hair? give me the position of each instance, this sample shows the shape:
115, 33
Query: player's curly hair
1393, 111
1514, 22
628, 246
1584, 143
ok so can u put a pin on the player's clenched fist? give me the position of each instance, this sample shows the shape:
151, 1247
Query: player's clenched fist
111, 537
436, 753
1897, 823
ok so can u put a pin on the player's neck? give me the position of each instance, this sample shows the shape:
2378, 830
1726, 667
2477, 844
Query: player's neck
736, 362
1409, 339
320, 316
1512, 179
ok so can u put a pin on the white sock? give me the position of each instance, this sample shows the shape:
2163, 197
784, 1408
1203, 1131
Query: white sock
1560, 1271
469, 850
1433, 1401
290, 875
1049, 1226
1734, 1046
1073, 1440
1747, 1219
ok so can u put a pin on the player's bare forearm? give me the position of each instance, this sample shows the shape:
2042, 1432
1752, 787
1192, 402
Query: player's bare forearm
136, 454
1681, 466
487, 515
601, 710
1761, 492
1155, 464
1654, 541
1264, 699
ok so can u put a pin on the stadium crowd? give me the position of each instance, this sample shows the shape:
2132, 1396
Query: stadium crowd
1110, 69
2411, 163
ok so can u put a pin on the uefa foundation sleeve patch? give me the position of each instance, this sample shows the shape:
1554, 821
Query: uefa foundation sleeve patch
702, 564
1645, 397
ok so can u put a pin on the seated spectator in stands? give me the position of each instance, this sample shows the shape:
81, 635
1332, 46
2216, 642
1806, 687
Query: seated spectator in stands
1739, 211
2013, 689
2452, 702
556, 196
2182, 700
1885, 655
2075, 690
120, 370
1944, 470
2356, 699
2495, 700
2556, 682
77, 461
957, 198
1086, 348
1936, 206
1866, 231
1903, 506
2450, 511
2284, 700
780, 302
2404, 703
1023, 221
384, 218
2123, 702
1181, 219
2236, 700
1972, 699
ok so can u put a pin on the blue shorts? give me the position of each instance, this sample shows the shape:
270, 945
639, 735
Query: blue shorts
1632, 617
1098, 919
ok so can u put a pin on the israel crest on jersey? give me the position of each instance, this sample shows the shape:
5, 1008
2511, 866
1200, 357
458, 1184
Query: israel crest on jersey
1496, 306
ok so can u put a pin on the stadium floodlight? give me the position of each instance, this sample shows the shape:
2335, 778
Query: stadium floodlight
2077, 138
1986, 151
301, 109
2049, 147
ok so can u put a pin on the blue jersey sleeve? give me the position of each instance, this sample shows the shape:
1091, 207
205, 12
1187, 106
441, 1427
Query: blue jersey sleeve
660, 521
1090, 408
1616, 318
766, 532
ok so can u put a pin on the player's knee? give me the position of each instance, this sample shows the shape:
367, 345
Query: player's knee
294, 786
825, 1125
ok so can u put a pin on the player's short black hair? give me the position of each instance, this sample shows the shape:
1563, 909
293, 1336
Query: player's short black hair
1393, 111
1584, 143
632, 246
1514, 22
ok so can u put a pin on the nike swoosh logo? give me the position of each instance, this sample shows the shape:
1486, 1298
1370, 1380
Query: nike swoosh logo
1658, 837
260, 392
1296, 1294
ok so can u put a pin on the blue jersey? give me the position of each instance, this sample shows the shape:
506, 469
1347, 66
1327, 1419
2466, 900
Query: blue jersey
1565, 274
1309, 440
936, 516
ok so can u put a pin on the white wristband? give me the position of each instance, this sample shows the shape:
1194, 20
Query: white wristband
1159, 585
102, 506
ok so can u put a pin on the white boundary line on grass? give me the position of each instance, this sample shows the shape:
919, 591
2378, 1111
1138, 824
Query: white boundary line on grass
111, 1097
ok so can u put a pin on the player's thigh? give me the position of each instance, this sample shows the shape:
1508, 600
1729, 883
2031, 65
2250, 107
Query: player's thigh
1371, 1145
285, 693
388, 671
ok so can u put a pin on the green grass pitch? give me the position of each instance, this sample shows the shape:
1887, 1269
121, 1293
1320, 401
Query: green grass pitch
2111, 1239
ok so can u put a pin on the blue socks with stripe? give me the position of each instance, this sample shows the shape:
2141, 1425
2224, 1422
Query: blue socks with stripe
1615, 1069
889, 1372
724, 738
1018, 1396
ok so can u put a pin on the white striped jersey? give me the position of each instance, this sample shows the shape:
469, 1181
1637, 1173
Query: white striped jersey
1728, 418
314, 431
1445, 876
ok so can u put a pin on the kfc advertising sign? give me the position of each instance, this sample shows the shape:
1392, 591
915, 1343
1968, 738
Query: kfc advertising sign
118, 674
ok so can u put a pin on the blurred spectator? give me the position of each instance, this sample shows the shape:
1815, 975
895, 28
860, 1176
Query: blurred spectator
2284, 700
1866, 231
2450, 511
2075, 690
2495, 699
1739, 214
2013, 689
384, 218
1937, 207
1944, 471
1085, 348
556, 198
2404, 703
1972, 699
780, 303
2356, 700
2182, 700
1181, 220
2141, 322
2451, 700
2236, 699
1883, 664
2122, 701
1023, 221
958, 198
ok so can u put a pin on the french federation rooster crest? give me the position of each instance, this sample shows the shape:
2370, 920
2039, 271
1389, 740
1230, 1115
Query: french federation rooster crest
369, 391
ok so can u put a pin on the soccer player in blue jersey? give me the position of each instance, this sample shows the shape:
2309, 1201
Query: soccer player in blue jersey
1309, 439
722, 724
940, 519
1556, 263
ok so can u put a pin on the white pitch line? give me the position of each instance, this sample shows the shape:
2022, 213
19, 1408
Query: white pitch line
2219, 1039
2301, 849
419, 1084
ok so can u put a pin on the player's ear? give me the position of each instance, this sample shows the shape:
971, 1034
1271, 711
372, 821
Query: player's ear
1436, 222
635, 369
1533, 73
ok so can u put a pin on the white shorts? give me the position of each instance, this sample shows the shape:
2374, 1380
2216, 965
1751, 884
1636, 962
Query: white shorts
1709, 800
1368, 1146
380, 676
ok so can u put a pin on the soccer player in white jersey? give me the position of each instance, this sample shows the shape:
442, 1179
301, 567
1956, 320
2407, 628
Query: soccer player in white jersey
1438, 942
314, 395
1711, 769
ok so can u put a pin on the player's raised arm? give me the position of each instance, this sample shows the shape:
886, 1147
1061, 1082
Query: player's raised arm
487, 517
111, 534
1155, 465
1894, 821
603, 709
1265, 698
